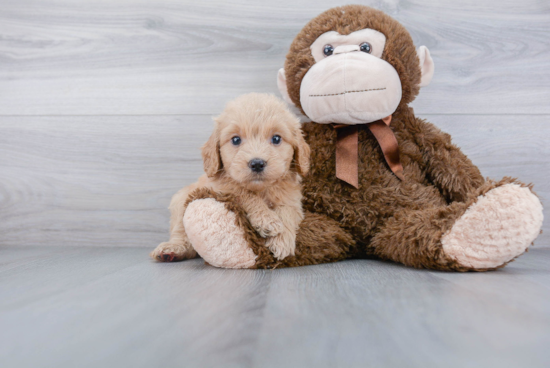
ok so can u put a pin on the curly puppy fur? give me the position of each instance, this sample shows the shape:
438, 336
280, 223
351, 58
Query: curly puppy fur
271, 197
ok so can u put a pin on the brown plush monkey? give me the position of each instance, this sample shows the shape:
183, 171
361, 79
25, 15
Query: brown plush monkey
383, 183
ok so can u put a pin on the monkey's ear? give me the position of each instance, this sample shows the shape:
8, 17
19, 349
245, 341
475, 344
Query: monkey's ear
301, 155
281, 83
211, 158
426, 65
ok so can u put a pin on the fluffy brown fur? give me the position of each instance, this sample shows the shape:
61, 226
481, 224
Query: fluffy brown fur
319, 240
401, 221
271, 199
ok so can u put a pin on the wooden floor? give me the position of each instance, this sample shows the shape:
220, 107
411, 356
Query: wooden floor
113, 307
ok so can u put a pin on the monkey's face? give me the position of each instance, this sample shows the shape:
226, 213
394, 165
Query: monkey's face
349, 82
353, 65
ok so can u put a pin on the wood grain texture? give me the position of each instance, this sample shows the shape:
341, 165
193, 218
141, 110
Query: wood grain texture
104, 104
113, 307
107, 180
81, 180
187, 57
103, 108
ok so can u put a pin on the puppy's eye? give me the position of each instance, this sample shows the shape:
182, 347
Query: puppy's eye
328, 50
276, 139
365, 47
236, 140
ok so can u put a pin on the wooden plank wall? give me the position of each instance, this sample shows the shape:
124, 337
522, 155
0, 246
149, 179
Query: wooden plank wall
104, 104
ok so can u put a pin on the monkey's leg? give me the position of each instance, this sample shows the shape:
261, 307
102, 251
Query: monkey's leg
495, 225
319, 240
220, 232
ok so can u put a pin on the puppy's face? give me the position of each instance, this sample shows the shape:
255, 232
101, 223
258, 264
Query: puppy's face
256, 154
258, 141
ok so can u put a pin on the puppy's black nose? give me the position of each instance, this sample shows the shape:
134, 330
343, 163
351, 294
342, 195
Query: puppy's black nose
257, 165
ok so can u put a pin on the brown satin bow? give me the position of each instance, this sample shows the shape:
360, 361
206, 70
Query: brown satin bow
347, 144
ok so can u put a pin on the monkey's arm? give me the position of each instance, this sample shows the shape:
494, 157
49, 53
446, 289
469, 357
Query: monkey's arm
446, 166
319, 239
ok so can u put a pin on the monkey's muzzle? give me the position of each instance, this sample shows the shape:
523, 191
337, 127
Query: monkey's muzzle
350, 88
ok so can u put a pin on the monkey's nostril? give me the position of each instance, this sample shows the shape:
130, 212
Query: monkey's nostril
257, 165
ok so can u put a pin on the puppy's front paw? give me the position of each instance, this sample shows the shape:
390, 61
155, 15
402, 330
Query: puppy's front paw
282, 245
170, 252
267, 224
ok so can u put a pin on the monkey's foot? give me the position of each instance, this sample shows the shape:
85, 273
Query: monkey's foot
213, 232
170, 252
497, 228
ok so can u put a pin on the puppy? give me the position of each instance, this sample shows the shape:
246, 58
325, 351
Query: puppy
257, 153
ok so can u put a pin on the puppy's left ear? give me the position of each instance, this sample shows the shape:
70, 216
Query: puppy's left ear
301, 154
211, 157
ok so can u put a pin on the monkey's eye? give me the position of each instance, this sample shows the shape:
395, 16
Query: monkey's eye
236, 140
328, 50
366, 47
276, 139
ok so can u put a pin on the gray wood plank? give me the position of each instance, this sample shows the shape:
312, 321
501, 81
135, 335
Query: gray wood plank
385, 315
116, 308
113, 307
108, 180
188, 57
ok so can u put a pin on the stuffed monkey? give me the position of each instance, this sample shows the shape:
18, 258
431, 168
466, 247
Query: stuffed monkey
383, 183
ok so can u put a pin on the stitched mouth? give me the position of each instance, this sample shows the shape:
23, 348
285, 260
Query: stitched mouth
346, 92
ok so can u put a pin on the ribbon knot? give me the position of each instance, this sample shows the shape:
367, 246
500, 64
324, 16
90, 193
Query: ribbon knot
347, 146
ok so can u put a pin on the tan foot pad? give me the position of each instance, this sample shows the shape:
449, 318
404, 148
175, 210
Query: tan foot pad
496, 229
213, 232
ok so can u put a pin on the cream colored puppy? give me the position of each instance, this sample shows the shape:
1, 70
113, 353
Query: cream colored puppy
257, 153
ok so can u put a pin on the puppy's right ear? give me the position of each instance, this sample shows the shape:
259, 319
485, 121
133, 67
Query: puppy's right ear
301, 154
211, 158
